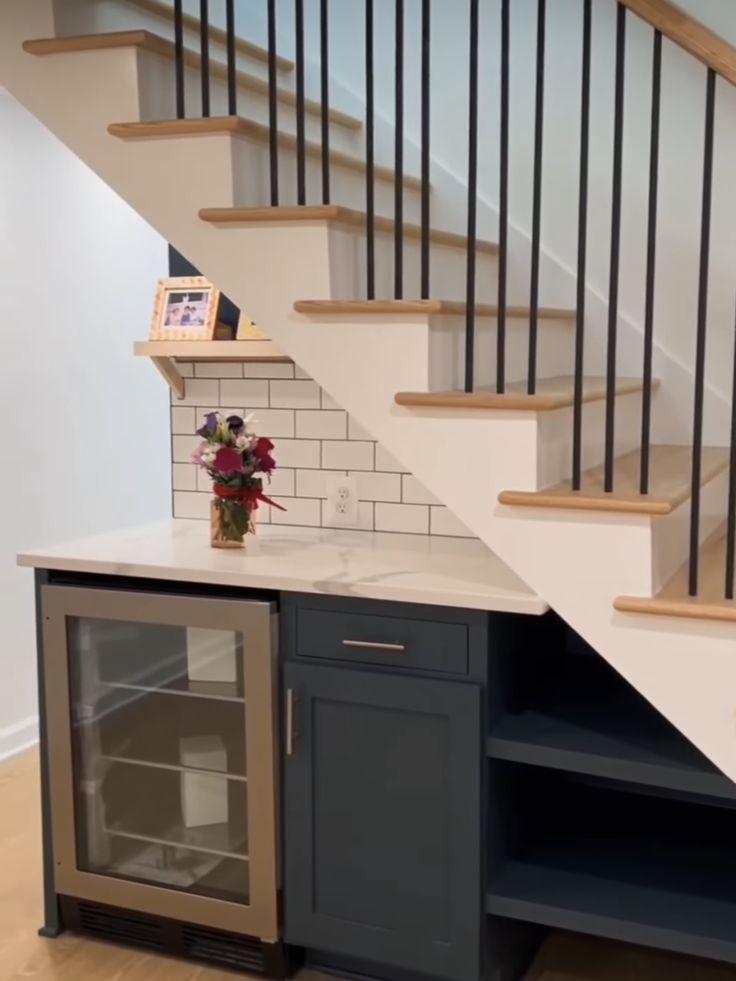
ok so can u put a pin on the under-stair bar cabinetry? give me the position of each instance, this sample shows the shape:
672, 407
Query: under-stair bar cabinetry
383, 781
161, 752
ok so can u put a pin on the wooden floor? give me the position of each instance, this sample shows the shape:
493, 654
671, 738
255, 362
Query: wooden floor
24, 955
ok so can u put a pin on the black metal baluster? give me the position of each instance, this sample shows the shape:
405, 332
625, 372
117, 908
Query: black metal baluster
179, 58
324, 51
731, 522
646, 405
399, 154
301, 154
370, 192
232, 83
273, 95
710, 106
426, 60
537, 198
577, 409
503, 199
472, 198
618, 146
204, 41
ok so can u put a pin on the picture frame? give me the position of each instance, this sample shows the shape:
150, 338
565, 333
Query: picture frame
185, 309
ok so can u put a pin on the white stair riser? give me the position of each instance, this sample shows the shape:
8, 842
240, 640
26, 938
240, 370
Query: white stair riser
348, 250
671, 534
158, 102
347, 186
447, 354
101, 16
555, 437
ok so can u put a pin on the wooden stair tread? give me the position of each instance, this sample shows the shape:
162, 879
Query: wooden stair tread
669, 484
217, 35
399, 308
161, 46
338, 215
673, 599
199, 126
552, 393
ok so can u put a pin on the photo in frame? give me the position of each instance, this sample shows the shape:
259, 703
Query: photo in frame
185, 309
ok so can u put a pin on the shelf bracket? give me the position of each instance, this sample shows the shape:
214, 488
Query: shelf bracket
167, 368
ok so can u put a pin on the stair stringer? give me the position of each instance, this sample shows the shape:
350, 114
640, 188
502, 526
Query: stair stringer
577, 563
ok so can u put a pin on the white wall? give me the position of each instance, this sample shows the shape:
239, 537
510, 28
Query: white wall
85, 425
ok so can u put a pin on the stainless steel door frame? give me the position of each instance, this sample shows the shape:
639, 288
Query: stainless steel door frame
256, 621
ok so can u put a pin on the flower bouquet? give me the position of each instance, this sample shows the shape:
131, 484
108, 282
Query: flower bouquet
235, 459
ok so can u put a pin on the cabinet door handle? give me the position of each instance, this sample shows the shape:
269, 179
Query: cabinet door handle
375, 646
290, 721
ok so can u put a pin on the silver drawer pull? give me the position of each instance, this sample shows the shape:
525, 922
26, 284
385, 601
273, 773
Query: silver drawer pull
373, 646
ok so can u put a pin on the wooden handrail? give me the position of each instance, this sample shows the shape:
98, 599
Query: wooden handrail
688, 33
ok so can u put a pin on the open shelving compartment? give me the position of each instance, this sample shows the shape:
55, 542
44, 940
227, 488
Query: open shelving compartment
603, 818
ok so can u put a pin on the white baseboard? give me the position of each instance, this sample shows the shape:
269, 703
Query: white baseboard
21, 735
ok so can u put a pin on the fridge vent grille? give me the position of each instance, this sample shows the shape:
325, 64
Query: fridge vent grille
223, 948
120, 927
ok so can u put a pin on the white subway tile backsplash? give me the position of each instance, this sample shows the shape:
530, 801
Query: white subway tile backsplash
254, 369
298, 453
204, 481
300, 511
183, 477
412, 492
281, 485
316, 424
365, 517
315, 440
183, 447
378, 486
444, 522
248, 391
191, 505
413, 519
185, 369
346, 455
313, 483
200, 391
183, 420
328, 402
274, 422
217, 369
293, 394
387, 463
356, 431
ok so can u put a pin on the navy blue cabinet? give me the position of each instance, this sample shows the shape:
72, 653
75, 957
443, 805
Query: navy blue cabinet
382, 818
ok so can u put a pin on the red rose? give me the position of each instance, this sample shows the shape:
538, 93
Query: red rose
262, 453
228, 460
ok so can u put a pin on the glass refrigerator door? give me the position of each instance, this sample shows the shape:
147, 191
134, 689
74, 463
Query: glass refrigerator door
158, 731
162, 711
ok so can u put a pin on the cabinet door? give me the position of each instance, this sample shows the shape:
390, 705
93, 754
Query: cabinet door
161, 734
383, 819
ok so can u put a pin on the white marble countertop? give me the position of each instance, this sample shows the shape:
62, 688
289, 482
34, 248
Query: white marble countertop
409, 568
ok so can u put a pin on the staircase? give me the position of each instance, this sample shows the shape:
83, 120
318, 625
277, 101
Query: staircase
581, 477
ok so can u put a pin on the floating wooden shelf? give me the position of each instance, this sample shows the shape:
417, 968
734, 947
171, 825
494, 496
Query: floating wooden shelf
165, 355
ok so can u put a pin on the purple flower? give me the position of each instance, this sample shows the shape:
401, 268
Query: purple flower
210, 425
235, 423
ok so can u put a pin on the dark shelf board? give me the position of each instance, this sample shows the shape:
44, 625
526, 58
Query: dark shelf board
587, 902
624, 739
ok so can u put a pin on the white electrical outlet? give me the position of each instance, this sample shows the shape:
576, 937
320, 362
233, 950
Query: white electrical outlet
342, 500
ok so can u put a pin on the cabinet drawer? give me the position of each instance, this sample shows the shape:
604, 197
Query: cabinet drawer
398, 642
